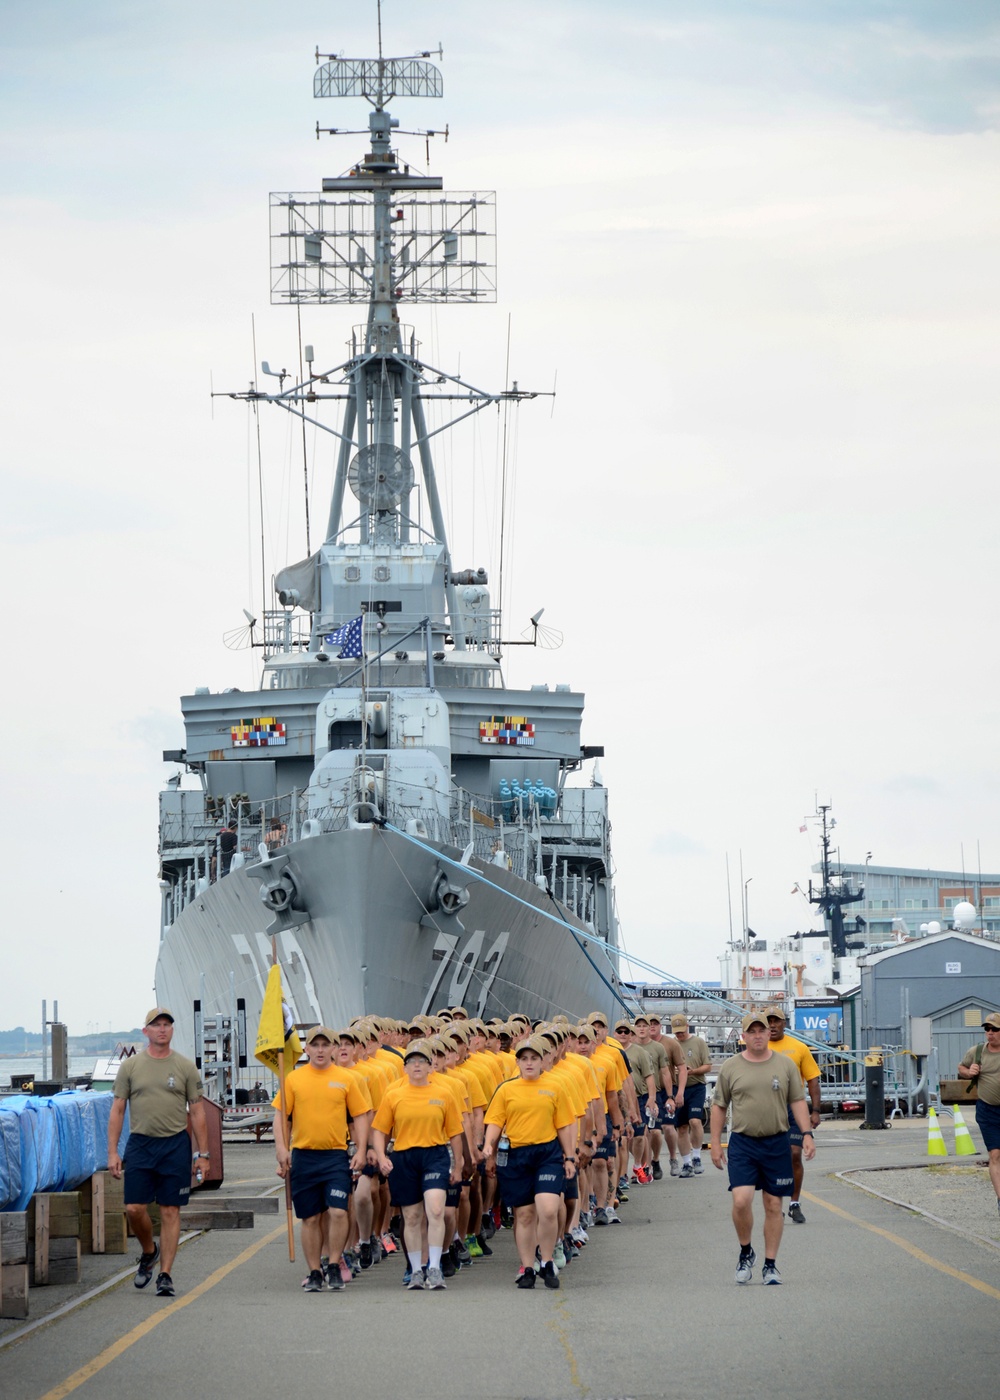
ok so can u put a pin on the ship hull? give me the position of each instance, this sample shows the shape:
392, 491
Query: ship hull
363, 948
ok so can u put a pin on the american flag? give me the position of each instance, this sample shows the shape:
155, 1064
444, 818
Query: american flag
348, 638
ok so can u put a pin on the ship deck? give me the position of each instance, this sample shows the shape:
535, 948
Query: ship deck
650, 1309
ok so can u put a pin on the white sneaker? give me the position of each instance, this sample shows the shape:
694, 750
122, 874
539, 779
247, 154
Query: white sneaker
559, 1257
675, 1167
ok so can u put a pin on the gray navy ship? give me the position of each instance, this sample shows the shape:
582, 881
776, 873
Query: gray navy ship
405, 830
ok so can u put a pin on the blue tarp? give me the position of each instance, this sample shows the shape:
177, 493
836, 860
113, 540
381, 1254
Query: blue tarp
52, 1144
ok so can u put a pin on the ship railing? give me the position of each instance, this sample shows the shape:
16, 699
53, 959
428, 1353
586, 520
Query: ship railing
285, 632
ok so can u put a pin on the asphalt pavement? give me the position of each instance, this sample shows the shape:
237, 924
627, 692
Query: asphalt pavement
875, 1297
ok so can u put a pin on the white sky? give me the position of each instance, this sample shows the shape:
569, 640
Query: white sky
756, 243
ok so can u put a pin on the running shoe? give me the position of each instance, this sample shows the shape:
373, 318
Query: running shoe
622, 1196
580, 1236
769, 1274
365, 1252
601, 1215
698, 1165
559, 1256
407, 1274
344, 1269
484, 1248
460, 1253
744, 1267
313, 1284
144, 1272
657, 1172
433, 1278
675, 1167
548, 1274
375, 1245
613, 1217
587, 1219
165, 1285
795, 1213
472, 1245
526, 1278
687, 1171
507, 1218
416, 1281
448, 1266
489, 1228
570, 1249
334, 1279
389, 1245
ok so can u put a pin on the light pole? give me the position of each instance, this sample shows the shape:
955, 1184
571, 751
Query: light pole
746, 935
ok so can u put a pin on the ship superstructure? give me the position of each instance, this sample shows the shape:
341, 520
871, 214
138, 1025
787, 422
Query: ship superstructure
404, 824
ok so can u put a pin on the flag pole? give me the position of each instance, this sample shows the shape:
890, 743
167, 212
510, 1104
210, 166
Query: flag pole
284, 1127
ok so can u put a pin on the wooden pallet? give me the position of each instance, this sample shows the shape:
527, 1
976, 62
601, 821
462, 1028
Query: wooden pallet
14, 1264
103, 1228
54, 1237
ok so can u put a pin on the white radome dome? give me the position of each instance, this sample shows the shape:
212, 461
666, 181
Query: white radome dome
964, 914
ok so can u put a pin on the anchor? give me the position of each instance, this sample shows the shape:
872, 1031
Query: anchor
279, 893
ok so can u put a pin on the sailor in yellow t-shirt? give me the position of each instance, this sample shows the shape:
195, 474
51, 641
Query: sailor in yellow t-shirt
424, 1122
318, 1098
540, 1126
802, 1058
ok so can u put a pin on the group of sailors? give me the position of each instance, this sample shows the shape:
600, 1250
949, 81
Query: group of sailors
424, 1137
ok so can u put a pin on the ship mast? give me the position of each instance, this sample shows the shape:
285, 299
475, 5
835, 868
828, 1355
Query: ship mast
835, 891
382, 234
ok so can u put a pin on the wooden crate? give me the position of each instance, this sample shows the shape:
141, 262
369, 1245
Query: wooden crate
13, 1264
54, 1237
103, 1227
960, 1091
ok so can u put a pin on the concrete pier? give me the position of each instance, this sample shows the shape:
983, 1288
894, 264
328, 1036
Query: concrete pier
876, 1298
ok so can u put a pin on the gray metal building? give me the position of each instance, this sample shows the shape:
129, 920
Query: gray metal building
952, 979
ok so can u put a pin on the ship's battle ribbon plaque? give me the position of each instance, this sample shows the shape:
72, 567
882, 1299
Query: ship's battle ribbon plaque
507, 729
263, 733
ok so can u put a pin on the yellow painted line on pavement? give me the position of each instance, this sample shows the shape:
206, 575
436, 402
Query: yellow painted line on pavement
111, 1353
905, 1245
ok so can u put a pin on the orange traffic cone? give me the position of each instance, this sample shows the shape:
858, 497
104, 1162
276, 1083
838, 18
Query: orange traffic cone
964, 1146
935, 1138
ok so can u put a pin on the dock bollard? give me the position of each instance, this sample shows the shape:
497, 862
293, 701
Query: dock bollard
935, 1138
874, 1091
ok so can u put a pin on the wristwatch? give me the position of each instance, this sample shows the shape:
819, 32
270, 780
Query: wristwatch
203, 1154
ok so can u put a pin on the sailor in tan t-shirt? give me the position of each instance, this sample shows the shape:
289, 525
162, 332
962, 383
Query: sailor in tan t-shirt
758, 1086
159, 1087
982, 1064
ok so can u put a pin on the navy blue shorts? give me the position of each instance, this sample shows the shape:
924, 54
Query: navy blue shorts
158, 1169
762, 1162
665, 1117
693, 1105
639, 1128
605, 1145
417, 1170
532, 1171
453, 1195
571, 1187
794, 1131
321, 1180
987, 1121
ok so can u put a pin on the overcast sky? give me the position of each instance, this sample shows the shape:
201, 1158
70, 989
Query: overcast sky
755, 247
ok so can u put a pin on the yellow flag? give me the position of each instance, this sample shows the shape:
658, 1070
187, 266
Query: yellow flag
276, 1031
